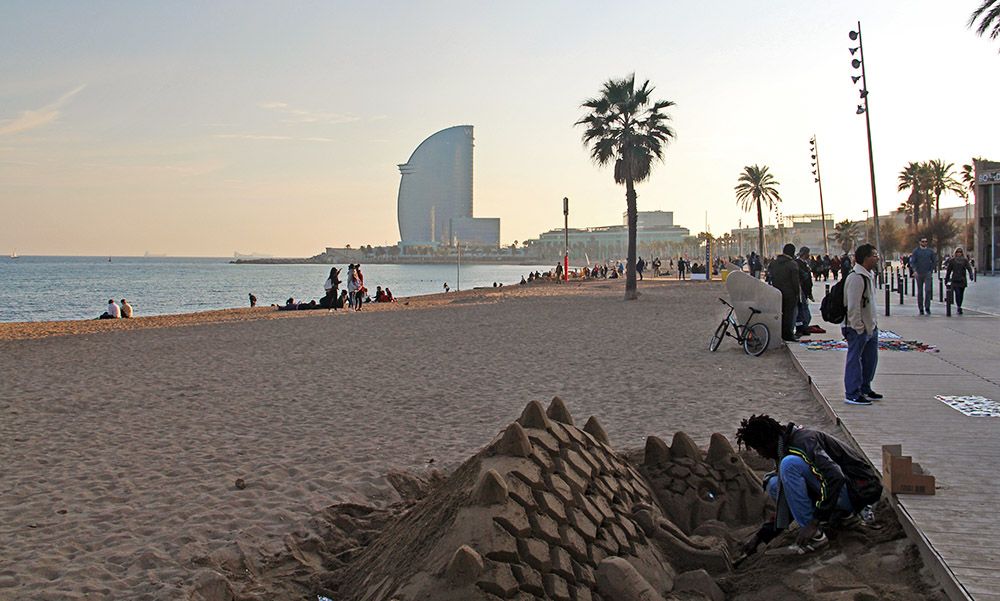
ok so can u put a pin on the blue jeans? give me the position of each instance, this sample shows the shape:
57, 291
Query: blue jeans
804, 317
862, 359
801, 486
925, 291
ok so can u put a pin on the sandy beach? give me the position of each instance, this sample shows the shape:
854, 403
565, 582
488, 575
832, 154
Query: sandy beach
121, 442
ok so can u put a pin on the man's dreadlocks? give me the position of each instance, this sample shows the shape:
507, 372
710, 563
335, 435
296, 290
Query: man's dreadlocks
756, 430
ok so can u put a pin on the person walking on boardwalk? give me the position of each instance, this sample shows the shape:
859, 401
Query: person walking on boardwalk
783, 273
922, 262
820, 481
955, 276
860, 328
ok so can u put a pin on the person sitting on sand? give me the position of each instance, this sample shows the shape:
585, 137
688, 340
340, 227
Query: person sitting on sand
113, 311
446, 288
821, 481
344, 300
380, 295
389, 298
253, 300
126, 310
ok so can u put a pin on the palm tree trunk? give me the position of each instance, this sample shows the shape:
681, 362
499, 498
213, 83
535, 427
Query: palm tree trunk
633, 218
760, 231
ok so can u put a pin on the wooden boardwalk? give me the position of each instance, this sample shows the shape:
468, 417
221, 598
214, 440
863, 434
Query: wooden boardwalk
958, 529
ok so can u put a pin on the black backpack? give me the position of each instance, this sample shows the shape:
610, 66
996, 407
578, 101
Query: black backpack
833, 308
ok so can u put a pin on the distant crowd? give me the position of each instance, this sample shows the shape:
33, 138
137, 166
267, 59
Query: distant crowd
353, 297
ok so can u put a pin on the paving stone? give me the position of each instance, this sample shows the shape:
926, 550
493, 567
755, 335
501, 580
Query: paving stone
513, 519
557, 588
498, 579
551, 504
519, 490
502, 546
573, 542
561, 563
530, 580
535, 553
562, 489
545, 527
584, 525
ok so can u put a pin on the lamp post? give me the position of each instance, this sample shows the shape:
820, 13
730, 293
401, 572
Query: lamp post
868, 228
863, 109
817, 175
566, 232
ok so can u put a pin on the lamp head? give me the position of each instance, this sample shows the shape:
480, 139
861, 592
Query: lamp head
855, 63
853, 35
861, 110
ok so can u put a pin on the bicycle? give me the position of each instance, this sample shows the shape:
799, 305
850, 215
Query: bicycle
753, 337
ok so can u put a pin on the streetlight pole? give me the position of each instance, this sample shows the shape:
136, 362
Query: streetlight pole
819, 180
864, 109
566, 231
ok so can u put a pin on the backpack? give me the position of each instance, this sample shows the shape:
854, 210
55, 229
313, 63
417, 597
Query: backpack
833, 308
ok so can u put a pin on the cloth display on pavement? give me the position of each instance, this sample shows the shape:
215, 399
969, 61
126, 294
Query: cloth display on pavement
883, 345
888, 335
971, 405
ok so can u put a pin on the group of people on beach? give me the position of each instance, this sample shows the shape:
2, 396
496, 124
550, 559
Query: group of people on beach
116, 311
354, 296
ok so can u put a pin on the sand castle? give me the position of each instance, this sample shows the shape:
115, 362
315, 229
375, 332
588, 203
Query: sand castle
549, 511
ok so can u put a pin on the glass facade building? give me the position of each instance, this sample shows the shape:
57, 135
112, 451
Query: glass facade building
434, 206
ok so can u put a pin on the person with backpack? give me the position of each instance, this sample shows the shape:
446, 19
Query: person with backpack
860, 328
820, 482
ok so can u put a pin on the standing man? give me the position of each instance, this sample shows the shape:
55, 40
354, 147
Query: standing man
783, 274
804, 317
860, 328
640, 266
681, 268
922, 262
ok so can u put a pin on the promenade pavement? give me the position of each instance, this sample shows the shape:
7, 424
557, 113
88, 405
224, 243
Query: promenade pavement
958, 528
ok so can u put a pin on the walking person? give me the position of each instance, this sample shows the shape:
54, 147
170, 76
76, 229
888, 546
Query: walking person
783, 274
352, 285
860, 328
681, 268
922, 262
359, 290
331, 286
640, 266
955, 277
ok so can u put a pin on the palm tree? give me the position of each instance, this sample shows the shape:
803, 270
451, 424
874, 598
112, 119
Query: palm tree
912, 177
988, 15
941, 178
847, 233
757, 186
626, 126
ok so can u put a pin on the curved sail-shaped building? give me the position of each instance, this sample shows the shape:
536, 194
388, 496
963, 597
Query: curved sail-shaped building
435, 193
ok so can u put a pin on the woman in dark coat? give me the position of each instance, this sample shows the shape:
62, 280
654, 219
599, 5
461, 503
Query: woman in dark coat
958, 267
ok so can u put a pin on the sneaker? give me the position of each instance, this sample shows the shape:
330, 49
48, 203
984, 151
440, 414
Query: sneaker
858, 401
868, 515
815, 543
960, 310
874, 395
921, 312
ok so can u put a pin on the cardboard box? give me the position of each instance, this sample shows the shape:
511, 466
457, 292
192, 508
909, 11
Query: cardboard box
901, 476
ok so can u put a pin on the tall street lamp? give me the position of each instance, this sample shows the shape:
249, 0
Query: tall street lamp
566, 231
863, 109
817, 175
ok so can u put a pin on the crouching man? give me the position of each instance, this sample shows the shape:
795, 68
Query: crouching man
820, 481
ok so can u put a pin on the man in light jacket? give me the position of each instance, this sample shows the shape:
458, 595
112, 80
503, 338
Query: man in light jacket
922, 262
860, 328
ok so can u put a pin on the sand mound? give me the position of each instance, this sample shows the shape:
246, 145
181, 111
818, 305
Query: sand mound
549, 511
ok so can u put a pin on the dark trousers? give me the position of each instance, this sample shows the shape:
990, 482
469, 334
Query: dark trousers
959, 295
862, 359
925, 291
789, 311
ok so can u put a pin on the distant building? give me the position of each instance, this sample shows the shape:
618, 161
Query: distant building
654, 227
434, 206
800, 230
987, 218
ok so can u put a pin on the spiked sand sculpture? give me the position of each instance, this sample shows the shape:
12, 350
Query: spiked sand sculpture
549, 511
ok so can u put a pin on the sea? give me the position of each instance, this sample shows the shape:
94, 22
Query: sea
34, 288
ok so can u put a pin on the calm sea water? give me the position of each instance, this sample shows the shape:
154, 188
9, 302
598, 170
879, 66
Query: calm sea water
54, 288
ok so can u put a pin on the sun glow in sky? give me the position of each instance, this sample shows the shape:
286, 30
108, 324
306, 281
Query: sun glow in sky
200, 129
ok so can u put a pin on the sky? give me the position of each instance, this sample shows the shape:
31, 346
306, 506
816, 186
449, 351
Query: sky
201, 129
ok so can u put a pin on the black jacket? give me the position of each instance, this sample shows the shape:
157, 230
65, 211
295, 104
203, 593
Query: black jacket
784, 275
836, 465
805, 279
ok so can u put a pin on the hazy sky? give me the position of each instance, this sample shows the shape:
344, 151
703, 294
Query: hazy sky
204, 128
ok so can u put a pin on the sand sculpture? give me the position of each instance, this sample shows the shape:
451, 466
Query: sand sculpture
747, 291
549, 511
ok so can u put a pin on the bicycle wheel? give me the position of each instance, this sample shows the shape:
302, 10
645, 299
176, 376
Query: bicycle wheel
757, 339
720, 333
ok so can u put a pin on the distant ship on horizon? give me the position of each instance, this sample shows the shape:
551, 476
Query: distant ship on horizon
13, 254
150, 255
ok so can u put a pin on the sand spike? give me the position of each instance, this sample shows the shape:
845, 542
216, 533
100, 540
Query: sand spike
683, 446
657, 452
490, 490
464, 567
595, 429
514, 442
719, 450
534, 416
558, 411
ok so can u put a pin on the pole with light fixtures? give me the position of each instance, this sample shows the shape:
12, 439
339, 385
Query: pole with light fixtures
863, 109
817, 175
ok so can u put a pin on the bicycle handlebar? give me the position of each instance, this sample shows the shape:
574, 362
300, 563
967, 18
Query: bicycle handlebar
725, 303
